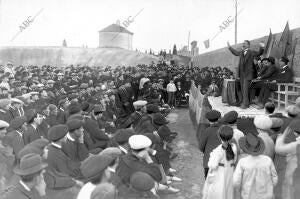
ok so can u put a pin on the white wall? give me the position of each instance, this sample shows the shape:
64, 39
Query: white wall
113, 39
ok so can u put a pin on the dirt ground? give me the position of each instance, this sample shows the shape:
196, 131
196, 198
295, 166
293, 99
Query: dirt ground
189, 161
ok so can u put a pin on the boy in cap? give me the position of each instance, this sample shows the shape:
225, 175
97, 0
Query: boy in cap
96, 175
74, 146
209, 139
16, 107
33, 132
31, 184
230, 118
61, 169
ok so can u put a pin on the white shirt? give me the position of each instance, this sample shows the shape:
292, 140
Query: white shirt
56, 145
86, 191
70, 138
171, 87
24, 185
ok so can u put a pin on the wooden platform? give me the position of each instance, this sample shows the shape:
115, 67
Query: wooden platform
252, 111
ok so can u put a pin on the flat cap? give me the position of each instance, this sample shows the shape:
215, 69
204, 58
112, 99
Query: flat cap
230, 117
141, 181
74, 124
293, 110
57, 132
3, 124
139, 104
213, 115
122, 135
36, 147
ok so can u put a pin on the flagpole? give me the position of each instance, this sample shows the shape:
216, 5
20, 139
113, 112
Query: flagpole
235, 24
189, 41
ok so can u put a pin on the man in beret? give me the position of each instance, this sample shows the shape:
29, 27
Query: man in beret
74, 146
209, 139
18, 125
99, 138
61, 171
33, 132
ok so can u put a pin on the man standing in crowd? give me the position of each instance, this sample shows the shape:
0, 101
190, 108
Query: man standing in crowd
246, 70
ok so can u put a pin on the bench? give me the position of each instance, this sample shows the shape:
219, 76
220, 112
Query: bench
286, 93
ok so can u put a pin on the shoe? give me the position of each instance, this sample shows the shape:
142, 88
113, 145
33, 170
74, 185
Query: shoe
172, 170
167, 189
174, 178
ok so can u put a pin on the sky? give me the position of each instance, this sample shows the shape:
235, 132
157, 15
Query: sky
159, 25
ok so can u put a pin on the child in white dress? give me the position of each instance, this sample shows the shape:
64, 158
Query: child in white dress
218, 184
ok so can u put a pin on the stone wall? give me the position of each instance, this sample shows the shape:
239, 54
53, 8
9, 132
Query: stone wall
222, 57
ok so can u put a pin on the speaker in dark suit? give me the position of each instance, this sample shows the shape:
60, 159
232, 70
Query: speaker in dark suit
246, 70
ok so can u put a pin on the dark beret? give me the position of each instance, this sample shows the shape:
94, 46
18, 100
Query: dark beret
30, 114
230, 117
36, 147
74, 124
57, 132
122, 135
141, 181
17, 122
74, 108
159, 119
213, 115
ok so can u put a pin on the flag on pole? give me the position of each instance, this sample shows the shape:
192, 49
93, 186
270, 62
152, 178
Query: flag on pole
285, 42
206, 43
269, 45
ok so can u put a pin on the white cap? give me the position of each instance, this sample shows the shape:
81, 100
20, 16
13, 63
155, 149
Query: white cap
263, 122
139, 104
3, 124
139, 142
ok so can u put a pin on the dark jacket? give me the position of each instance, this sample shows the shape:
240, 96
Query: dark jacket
75, 150
130, 164
269, 73
246, 68
208, 141
19, 192
284, 75
60, 169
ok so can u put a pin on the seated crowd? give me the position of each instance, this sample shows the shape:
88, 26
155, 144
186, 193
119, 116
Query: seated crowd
88, 132
252, 158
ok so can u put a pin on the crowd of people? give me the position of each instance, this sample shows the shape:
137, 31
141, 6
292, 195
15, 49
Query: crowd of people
252, 158
88, 132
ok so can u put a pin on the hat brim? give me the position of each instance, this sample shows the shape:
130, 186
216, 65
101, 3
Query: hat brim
243, 145
17, 170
